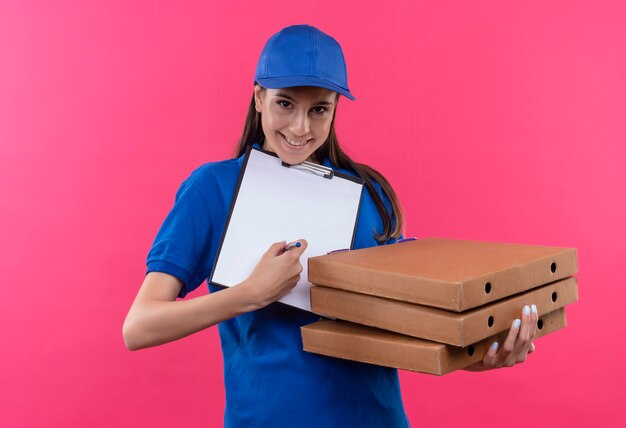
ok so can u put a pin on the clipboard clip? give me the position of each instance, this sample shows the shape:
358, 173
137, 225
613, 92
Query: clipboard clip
316, 169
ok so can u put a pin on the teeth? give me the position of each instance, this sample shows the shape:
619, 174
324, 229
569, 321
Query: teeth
295, 143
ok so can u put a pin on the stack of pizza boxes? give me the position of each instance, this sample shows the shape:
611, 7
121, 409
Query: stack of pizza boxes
434, 305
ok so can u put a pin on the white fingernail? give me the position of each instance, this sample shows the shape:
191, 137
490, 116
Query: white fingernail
494, 345
526, 310
516, 323
534, 308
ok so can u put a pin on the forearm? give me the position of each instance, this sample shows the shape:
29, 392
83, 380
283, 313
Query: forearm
156, 317
156, 322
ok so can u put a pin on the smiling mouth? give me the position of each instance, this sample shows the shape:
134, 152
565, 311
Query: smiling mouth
294, 143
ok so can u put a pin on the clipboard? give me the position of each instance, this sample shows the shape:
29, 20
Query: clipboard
275, 202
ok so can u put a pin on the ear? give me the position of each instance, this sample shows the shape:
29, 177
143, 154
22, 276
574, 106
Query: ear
259, 94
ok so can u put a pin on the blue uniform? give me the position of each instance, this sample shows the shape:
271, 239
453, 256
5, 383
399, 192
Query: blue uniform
270, 381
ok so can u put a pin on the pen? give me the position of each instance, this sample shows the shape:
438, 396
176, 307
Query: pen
292, 245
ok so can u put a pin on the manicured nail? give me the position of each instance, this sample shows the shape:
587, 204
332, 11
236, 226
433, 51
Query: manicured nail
526, 310
534, 308
494, 345
516, 323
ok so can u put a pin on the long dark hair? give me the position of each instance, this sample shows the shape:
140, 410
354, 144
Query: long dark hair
253, 133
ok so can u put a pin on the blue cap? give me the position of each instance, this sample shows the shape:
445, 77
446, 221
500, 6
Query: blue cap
301, 55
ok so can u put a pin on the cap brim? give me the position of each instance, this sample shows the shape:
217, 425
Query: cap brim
291, 81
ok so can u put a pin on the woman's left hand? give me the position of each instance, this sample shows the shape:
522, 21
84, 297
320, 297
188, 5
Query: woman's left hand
517, 345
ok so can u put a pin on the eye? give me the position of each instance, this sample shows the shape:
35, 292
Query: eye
320, 109
283, 103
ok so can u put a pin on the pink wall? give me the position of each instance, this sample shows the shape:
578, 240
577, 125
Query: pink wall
495, 120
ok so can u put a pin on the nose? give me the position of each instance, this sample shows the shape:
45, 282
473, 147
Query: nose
300, 126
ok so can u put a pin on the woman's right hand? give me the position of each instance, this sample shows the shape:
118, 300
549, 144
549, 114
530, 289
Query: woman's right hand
275, 275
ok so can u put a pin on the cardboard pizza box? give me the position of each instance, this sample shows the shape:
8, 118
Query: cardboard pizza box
454, 328
356, 342
449, 274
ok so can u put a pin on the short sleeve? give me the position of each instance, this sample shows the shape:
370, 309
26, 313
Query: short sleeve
182, 245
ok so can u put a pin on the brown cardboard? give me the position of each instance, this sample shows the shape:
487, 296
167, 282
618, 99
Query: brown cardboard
443, 273
459, 329
355, 342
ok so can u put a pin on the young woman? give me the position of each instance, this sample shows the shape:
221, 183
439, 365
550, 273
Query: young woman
269, 380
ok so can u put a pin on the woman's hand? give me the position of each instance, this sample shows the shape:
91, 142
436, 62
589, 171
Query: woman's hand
277, 272
156, 317
517, 345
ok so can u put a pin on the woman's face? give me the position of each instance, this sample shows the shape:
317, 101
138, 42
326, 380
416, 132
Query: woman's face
296, 121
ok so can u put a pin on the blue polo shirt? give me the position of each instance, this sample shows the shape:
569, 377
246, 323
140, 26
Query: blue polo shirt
269, 380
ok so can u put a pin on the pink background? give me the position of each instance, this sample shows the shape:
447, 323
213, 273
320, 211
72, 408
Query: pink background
500, 121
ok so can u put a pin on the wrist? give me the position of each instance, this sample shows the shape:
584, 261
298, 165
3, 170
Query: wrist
243, 299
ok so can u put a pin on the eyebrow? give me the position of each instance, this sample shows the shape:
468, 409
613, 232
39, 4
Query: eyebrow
322, 102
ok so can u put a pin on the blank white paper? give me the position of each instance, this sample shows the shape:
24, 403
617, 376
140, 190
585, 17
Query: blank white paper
276, 203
